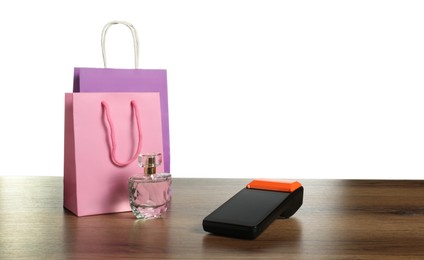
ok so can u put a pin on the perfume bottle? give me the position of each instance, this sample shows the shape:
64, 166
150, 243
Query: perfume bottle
150, 192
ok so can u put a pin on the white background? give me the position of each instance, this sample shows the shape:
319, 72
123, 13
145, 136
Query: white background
276, 89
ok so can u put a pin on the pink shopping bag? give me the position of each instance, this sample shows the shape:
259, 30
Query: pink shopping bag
127, 80
104, 133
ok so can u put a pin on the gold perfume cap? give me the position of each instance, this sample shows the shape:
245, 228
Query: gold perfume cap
150, 162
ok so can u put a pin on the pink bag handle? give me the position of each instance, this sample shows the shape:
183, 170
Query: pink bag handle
112, 146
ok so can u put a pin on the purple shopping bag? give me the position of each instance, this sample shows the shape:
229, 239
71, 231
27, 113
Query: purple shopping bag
128, 80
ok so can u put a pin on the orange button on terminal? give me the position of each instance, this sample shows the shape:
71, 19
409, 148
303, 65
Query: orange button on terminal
284, 186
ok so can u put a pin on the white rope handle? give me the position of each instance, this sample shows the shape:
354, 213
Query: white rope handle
134, 35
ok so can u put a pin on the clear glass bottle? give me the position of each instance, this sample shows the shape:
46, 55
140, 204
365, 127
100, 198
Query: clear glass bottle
150, 193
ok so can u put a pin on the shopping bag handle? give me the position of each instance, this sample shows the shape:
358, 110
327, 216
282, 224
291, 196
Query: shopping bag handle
134, 35
112, 146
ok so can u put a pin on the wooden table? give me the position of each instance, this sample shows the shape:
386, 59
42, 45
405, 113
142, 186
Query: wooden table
340, 219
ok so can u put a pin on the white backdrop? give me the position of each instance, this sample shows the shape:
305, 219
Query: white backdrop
277, 89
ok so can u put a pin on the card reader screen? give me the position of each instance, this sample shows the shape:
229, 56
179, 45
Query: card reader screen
249, 207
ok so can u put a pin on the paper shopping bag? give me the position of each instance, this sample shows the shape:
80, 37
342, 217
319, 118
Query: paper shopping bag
104, 133
127, 80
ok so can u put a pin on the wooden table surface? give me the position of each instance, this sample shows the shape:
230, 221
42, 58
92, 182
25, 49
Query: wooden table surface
340, 219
